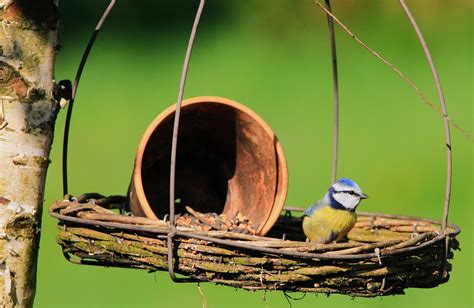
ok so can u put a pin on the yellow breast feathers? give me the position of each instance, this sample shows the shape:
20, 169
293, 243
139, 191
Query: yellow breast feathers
326, 224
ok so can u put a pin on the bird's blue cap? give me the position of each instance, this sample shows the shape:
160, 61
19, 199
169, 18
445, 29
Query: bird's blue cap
347, 182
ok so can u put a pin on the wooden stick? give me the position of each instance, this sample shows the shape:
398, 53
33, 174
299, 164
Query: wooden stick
412, 242
364, 248
202, 218
134, 220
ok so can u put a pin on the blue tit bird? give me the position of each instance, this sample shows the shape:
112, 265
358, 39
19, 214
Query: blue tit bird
331, 218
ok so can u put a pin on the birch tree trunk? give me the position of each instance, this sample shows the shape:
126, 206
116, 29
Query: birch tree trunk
28, 43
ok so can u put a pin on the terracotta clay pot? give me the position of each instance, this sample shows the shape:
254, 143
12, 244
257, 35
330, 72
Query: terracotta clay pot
228, 161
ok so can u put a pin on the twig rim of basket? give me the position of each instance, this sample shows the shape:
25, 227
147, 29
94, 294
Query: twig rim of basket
162, 231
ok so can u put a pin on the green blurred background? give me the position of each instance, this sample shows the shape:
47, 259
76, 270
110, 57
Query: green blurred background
273, 56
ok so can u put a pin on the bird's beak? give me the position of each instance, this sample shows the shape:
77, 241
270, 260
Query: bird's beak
363, 196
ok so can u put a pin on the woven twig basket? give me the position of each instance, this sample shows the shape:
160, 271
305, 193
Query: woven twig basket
384, 254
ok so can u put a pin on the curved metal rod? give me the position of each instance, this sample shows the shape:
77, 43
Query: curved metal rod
447, 134
74, 91
174, 143
335, 80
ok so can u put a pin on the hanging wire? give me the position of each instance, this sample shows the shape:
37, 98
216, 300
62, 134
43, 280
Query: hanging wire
425, 100
174, 143
447, 133
335, 80
74, 91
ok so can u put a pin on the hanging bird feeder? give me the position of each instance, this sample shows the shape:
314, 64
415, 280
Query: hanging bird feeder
228, 166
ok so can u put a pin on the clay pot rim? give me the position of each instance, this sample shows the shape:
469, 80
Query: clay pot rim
278, 203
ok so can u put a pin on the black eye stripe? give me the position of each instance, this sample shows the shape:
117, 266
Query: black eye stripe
350, 192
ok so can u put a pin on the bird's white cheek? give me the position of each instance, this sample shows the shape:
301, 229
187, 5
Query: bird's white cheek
347, 200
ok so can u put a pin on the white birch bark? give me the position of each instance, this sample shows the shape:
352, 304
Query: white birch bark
28, 42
